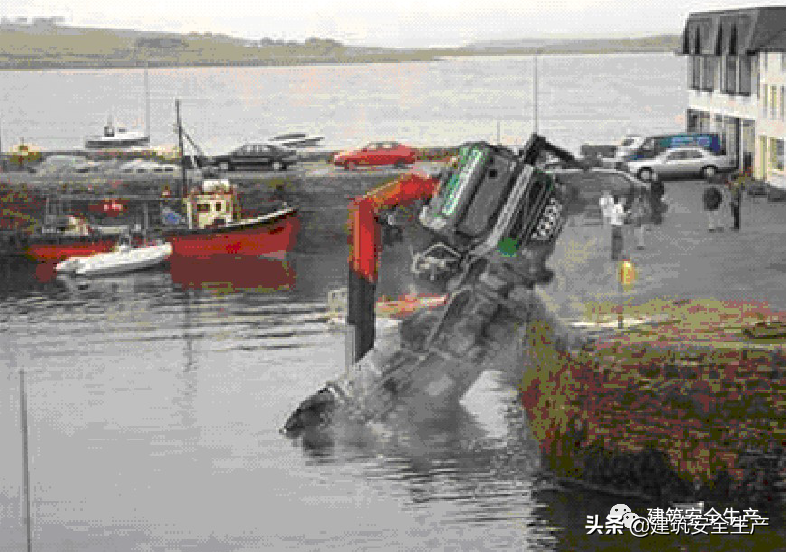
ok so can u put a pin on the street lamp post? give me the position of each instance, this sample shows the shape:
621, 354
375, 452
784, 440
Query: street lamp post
535, 92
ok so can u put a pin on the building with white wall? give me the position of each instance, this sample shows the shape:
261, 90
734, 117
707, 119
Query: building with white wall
737, 83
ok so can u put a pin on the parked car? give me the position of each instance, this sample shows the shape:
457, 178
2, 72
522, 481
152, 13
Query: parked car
681, 162
585, 188
256, 156
143, 166
652, 146
375, 154
58, 164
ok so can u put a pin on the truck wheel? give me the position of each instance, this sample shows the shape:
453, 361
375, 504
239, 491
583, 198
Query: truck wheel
350, 166
708, 172
225, 166
278, 166
645, 174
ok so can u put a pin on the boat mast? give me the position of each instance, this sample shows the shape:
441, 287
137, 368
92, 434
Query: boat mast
182, 153
147, 101
26, 453
144, 222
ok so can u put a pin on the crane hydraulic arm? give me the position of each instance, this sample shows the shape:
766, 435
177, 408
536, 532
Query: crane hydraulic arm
365, 248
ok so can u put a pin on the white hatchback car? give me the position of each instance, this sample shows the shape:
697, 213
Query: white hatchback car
142, 166
686, 161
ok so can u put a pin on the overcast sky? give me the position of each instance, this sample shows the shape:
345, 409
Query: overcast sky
391, 23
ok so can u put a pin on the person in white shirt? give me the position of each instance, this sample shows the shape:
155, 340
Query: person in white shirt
606, 203
617, 220
638, 212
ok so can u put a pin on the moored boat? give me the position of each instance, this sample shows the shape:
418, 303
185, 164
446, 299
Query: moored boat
295, 140
389, 310
208, 224
216, 227
117, 137
67, 236
124, 258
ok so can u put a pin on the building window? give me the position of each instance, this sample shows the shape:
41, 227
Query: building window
765, 55
764, 104
776, 154
745, 75
695, 73
731, 75
773, 102
783, 62
783, 93
708, 75
755, 67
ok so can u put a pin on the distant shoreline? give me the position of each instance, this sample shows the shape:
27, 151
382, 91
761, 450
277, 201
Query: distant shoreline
39, 65
47, 45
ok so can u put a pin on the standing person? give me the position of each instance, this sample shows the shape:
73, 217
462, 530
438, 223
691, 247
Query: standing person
606, 203
638, 213
712, 199
617, 220
735, 191
657, 191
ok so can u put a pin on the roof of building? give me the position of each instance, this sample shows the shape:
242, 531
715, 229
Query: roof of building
735, 32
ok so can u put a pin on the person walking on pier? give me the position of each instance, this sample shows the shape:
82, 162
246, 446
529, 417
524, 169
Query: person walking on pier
712, 199
735, 191
657, 191
638, 213
617, 220
606, 204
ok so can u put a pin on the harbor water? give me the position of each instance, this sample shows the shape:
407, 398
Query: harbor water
154, 403
592, 99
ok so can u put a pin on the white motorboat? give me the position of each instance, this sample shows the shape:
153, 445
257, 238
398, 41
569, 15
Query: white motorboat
117, 137
124, 258
295, 140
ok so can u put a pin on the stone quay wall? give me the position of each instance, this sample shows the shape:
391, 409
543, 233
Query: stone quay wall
690, 408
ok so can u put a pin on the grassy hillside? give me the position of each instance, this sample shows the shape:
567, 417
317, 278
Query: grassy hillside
50, 46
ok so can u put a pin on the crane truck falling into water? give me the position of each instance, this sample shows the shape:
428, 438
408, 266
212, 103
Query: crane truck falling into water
485, 229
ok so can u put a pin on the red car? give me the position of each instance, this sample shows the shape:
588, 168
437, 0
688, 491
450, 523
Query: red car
377, 153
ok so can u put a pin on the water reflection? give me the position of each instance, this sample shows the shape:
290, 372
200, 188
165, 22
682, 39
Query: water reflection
468, 467
227, 274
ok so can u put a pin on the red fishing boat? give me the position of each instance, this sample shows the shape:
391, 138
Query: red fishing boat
67, 236
213, 225
216, 227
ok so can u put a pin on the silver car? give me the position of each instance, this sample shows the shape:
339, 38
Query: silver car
684, 161
61, 164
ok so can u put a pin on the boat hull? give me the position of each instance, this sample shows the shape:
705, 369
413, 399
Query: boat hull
107, 143
105, 264
269, 236
58, 249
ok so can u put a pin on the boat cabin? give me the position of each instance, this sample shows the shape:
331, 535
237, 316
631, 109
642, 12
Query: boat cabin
215, 205
65, 225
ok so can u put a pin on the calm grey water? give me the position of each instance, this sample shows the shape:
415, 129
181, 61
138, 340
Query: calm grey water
155, 399
581, 99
